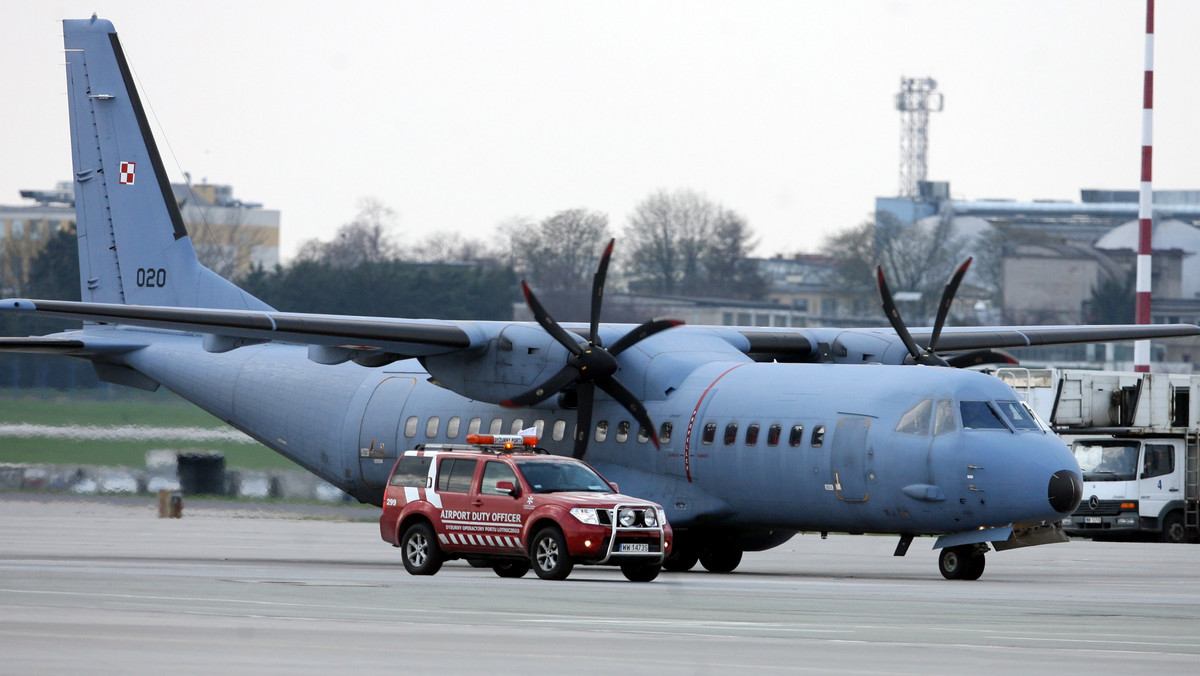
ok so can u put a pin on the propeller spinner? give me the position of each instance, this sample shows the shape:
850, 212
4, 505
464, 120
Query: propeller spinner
590, 365
918, 354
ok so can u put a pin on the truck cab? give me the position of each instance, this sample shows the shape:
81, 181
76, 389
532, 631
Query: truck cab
1130, 486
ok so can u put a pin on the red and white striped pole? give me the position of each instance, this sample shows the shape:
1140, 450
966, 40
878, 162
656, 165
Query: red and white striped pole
1141, 349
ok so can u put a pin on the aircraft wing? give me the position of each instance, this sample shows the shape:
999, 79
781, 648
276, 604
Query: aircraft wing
407, 337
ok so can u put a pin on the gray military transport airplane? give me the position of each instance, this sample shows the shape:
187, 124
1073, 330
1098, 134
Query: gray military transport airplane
747, 435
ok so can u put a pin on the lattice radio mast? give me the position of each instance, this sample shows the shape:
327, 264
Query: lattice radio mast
917, 99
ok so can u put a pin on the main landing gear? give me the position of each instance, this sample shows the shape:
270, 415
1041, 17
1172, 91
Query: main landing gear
964, 562
717, 555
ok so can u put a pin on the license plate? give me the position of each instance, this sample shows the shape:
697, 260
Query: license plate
630, 547
1091, 519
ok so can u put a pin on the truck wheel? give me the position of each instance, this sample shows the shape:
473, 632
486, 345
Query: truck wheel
1173, 529
961, 563
551, 560
422, 556
637, 571
511, 568
721, 560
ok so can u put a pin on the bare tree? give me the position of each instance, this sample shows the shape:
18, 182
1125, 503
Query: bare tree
683, 243
558, 255
451, 247
366, 239
226, 248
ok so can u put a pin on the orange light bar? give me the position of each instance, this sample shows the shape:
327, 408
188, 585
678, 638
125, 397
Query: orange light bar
508, 441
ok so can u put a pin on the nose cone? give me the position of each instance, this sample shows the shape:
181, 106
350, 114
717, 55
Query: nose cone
1065, 491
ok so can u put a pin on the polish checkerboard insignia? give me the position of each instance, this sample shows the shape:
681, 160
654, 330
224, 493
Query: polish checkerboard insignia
127, 171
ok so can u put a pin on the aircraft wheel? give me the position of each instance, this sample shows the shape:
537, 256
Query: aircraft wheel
680, 559
638, 571
961, 563
1173, 529
511, 568
721, 560
422, 556
551, 560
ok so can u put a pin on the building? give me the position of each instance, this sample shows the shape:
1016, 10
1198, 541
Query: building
229, 235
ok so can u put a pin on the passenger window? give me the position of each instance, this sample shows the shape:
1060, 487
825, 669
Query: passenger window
818, 436
431, 426
916, 419
516, 426
539, 426
752, 434
559, 430
1159, 460
664, 433
496, 426
474, 425
454, 475
494, 472
643, 435
944, 422
710, 433
773, 433
412, 471
601, 430
730, 434
410, 427
622, 431
796, 436
978, 415
452, 427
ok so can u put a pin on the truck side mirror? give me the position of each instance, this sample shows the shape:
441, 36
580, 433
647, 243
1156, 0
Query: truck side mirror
615, 487
507, 488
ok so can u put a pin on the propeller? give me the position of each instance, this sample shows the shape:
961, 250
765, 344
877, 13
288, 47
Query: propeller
918, 354
590, 365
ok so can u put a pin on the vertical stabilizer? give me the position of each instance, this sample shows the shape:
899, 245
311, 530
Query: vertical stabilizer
133, 247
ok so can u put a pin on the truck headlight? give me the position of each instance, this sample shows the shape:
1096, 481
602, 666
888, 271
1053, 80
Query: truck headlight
586, 515
627, 517
651, 517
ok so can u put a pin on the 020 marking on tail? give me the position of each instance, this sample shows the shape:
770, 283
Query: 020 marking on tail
746, 435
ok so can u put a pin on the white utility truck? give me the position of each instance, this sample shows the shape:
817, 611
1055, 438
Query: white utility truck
1137, 439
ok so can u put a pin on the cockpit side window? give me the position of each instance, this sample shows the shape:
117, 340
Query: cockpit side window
1018, 416
945, 421
916, 419
979, 415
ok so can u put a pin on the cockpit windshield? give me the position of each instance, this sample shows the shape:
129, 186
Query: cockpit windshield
549, 476
1104, 460
979, 415
1018, 415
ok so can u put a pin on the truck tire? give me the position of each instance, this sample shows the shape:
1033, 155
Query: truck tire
420, 550
551, 560
1173, 529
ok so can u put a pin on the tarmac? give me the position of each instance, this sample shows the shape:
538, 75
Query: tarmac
101, 585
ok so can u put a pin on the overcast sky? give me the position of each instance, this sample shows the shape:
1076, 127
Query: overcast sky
460, 115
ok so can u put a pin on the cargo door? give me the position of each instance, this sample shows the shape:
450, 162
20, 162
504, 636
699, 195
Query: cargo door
377, 442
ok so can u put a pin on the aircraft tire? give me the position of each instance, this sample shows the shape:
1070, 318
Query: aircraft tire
721, 560
680, 559
420, 550
551, 559
639, 571
1173, 529
961, 563
511, 568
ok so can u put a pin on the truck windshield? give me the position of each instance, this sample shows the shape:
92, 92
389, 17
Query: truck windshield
1106, 460
552, 476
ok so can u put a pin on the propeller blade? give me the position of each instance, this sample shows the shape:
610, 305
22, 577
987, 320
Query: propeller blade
598, 292
625, 398
642, 332
947, 300
893, 315
586, 394
565, 376
559, 333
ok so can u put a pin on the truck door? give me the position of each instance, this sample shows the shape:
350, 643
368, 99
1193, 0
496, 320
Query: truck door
456, 523
1159, 478
502, 514
377, 443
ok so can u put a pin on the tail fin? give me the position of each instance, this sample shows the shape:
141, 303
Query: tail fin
133, 247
